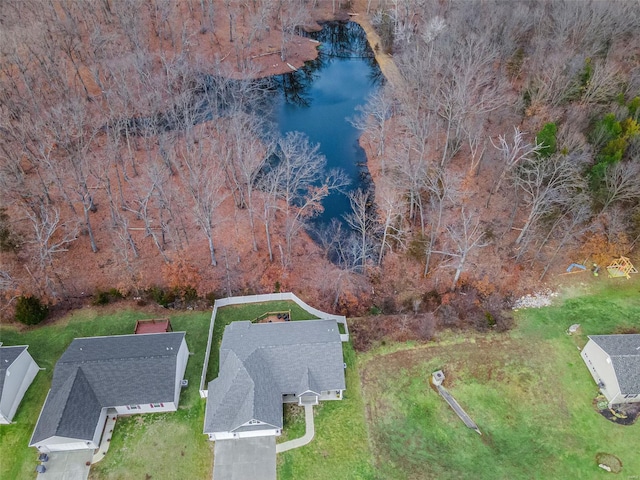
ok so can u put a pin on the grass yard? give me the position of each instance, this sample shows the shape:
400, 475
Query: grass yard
340, 448
161, 446
529, 392
249, 311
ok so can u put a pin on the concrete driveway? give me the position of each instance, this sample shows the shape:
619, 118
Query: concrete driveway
71, 465
245, 459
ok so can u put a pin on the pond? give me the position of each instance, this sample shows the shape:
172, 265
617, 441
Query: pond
319, 98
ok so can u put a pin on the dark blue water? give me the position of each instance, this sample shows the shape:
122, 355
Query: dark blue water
318, 99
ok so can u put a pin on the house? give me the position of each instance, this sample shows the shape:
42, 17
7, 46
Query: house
614, 363
17, 371
262, 366
122, 374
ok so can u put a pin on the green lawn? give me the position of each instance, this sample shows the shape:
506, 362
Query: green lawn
528, 391
161, 446
340, 448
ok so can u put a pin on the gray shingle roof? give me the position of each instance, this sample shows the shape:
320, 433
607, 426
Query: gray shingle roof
624, 351
260, 362
98, 372
8, 355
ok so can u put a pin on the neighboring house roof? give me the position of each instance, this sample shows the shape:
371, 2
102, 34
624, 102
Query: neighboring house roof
98, 372
260, 362
624, 351
8, 355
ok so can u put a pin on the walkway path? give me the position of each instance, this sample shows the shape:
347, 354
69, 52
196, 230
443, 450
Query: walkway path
385, 61
306, 438
106, 437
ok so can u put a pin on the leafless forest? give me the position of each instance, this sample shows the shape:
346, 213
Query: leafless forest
134, 157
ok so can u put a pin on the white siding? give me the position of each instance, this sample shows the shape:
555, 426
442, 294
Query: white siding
267, 432
599, 364
100, 426
18, 377
331, 395
183, 357
146, 408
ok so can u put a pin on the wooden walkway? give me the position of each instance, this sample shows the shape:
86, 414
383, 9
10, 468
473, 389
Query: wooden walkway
464, 416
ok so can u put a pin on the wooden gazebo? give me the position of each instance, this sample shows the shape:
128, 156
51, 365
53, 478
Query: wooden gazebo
622, 267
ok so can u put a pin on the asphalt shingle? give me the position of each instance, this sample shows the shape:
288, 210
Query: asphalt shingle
624, 350
277, 359
100, 372
8, 355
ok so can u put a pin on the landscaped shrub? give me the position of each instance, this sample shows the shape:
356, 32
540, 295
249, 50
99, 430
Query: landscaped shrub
30, 310
104, 297
189, 294
611, 138
101, 298
162, 297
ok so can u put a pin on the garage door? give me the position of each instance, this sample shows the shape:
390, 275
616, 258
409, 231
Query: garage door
64, 447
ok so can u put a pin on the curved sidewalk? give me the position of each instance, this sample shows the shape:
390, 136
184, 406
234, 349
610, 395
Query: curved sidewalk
306, 438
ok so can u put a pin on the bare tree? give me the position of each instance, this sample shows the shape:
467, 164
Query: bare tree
410, 169
296, 179
291, 14
362, 221
372, 117
51, 236
203, 180
572, 223
464, 237
513, 153
391, 210
621, 183
244, 155
442, 189
547, 184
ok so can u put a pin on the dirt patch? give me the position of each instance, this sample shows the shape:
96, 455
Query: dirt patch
623, 414
275, 318
609, 462
475, 357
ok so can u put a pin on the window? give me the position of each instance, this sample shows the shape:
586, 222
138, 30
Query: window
133, 407
156, 405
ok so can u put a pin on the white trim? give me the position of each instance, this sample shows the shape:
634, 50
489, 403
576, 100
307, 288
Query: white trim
129, 335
